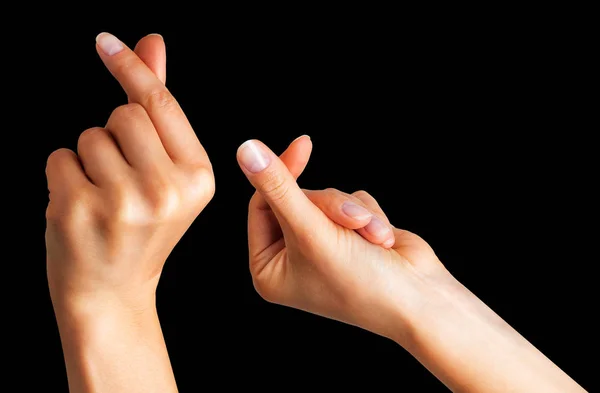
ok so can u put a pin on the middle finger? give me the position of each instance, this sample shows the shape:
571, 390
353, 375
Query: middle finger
134, 132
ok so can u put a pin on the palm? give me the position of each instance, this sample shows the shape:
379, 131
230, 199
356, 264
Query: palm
319, 276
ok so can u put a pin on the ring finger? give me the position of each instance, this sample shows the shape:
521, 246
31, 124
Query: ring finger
100, 156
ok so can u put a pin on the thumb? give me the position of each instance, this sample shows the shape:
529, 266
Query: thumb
272, 179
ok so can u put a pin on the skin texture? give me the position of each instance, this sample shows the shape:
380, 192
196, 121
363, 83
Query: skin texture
301, 257
123, 200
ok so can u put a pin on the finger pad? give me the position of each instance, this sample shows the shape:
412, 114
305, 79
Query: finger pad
151, 49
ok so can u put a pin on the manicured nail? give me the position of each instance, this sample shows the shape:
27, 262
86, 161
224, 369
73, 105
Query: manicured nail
377, 227
109, 44
355, 211
253, 157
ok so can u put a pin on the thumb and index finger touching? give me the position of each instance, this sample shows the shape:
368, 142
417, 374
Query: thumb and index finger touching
152, 51
295, 158
358, 211
276, 184
142, 79
264, 230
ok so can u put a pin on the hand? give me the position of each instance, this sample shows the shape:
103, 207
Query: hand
116, 210
118, 207
305, 254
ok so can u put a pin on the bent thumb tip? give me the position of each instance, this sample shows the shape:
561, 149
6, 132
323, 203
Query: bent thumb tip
271, 178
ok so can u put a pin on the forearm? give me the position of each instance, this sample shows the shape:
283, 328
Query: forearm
470, 348
114, 349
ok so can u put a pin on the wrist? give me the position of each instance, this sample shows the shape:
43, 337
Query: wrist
438, 298
110, 340
463, 342
409, 298
86, 314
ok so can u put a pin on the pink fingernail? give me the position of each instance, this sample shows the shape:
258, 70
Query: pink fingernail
377, 227
389, 242
355, 211
109, 44
253, 157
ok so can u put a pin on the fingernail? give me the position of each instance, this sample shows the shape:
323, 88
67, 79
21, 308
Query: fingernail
355, 211
389, 242
109, 44
253, 157
301, 136
156, 34
377, 227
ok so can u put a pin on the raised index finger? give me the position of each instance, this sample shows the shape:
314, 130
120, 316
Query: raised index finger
143, 87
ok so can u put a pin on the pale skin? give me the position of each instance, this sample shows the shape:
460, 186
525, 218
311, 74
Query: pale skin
121, 202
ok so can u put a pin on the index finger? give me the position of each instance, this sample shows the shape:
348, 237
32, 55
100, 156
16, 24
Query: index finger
143, 87
295, 157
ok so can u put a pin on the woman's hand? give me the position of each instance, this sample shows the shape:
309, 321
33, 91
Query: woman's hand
313, 251
327, 252
117, 208
120, 204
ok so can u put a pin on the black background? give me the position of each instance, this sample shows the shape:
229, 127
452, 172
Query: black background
461, 132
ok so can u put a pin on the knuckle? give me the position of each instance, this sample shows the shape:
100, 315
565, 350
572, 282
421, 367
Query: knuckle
331, 191
57, 156
127, 113
123, 209
275, 187
203, 183
73, 209
164, 202
129, 205
88, 137
159, 99
361, 193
